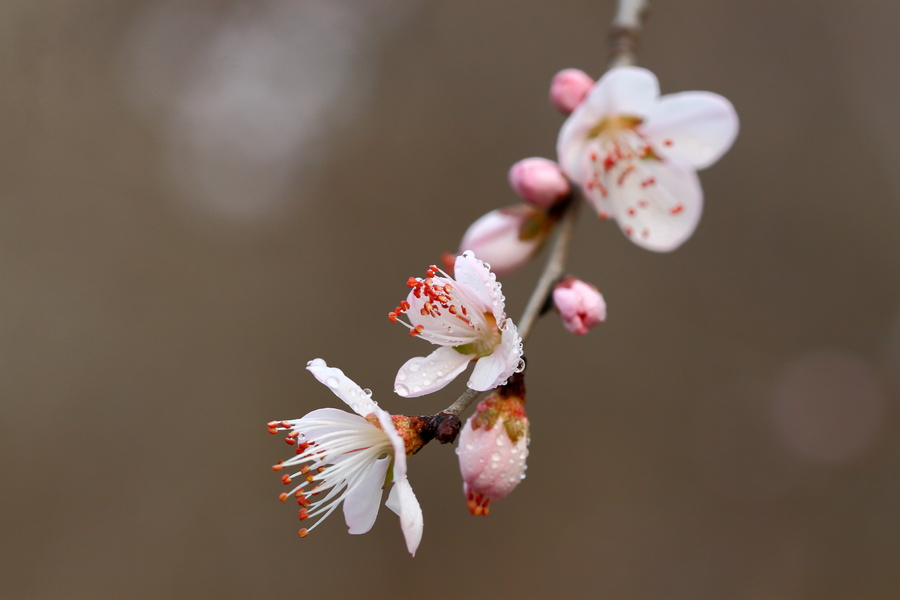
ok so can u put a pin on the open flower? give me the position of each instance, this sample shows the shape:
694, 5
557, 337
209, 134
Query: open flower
635, 154
342, 457
465, 317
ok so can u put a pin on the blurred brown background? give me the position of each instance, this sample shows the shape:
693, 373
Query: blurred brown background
197, 198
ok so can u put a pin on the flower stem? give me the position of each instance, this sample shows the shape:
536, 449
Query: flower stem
624, 33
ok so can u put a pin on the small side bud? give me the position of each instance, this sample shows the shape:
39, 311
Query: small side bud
579, 304
493, 446
506, 238
539, 181
568, 89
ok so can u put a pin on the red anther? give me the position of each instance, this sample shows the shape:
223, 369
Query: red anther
631, 211
303, 532
465, 312
447, 288
404, 305
320, 469
667, 142
294, 434
452, 309
412, 282
629, 231
273, 430
303, 514
285, 479
290, 441
624, 174
589, 185
304, 469
392, 316
649, 181
311, 478
416, 330
299, 494
417, 292
272, 424
277, 467
285, 425
304, 502
302, 446
603, 215
443, 299
594, 156
283, 496
677, 209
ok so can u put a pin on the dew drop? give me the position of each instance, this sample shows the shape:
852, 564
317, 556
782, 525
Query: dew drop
440, 373
417, 389
522, 476
367, 392
426, 382
401, 376
470, 446
457, 450
401, 389
500, 440
415, 366
332, 382
495, 457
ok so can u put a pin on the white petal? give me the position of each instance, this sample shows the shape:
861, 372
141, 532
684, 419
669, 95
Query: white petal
396, 441
657, 204
342, 386
623, 91
403, 501
425, 374
361, 504
475, 278
492, 370
693, 128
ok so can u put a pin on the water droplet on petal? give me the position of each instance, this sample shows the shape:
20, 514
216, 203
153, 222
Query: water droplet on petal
496, 456
457, 450
417, 389
499, 440
415, 366
426, 382
401, 376
470, 446
401, 389
440, 373
522, 476
367, 392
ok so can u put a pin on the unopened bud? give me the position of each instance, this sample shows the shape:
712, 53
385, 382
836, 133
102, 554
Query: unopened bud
568, 89
493, 446
539, 181
507, 237
579, 304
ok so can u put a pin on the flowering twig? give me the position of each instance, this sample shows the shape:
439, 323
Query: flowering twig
625, 32
553, 270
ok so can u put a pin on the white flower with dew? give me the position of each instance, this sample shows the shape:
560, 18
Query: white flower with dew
345, 457
464, 315
635, 154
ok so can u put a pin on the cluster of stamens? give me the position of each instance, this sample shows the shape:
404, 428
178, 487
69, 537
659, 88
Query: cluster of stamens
438, 297
628, 146
310, 475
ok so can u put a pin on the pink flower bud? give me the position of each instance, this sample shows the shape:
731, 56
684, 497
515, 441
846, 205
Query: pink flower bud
568, 89
493, 446
507, 237
539, 181
579, 304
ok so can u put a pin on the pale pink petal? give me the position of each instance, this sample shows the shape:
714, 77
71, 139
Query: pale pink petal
425, 374
403, 501
694, 128
494, 369
387, 425
657, 204
623, 91
475, 278
362, 502
495, 238
342, 386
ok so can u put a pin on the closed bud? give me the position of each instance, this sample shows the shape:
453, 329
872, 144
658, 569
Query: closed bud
507, 237
568, 89
493, 446
539, 181
579, 304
